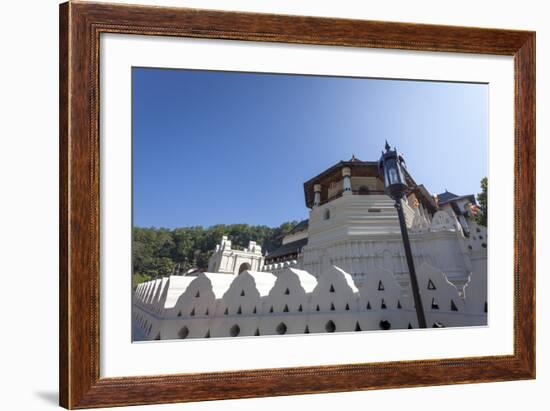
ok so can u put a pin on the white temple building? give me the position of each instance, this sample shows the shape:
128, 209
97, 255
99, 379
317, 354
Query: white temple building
342, 270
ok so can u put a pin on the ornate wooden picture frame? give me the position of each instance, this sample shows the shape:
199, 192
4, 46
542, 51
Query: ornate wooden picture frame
80, 27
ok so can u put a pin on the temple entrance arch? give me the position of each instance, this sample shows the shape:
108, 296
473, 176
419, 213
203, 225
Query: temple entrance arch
244, 267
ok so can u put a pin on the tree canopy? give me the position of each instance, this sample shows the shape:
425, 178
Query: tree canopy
481, 216
157, 251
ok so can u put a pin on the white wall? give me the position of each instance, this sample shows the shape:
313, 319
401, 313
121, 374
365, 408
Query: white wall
28, 166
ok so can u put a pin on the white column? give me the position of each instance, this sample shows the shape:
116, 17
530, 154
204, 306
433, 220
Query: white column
346, 173
316, 195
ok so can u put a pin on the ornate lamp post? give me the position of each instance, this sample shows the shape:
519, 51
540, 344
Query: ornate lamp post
391, 166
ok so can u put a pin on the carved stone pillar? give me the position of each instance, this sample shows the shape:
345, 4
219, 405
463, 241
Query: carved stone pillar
316, 195
346, 173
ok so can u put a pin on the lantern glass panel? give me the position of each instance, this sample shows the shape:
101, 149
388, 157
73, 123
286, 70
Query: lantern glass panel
392, 173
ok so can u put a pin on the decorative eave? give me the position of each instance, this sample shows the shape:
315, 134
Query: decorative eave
425, 198
358, 169
334, 173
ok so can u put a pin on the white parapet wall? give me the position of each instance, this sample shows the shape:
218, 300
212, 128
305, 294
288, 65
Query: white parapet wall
294, 301
361, 235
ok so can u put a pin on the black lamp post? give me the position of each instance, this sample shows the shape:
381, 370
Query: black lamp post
391, 165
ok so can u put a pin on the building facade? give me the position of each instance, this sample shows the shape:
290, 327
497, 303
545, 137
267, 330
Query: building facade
228, 260
342, 270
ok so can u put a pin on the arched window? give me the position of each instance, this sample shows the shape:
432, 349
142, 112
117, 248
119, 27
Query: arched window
330, 327
244, 267
326, 214
234, 331
184, 332
281, 329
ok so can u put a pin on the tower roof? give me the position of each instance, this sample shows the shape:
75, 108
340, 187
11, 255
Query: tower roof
334, 173
446, 196
360, 168
286, 249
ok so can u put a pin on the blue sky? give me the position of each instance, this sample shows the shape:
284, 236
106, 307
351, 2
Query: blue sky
226, 147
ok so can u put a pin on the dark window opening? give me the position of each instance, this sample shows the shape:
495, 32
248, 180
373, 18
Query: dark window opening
281, 329
183, 333
330, 327
453, 306
384, 325
235, 330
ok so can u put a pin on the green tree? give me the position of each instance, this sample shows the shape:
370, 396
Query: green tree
157, 251
481, 217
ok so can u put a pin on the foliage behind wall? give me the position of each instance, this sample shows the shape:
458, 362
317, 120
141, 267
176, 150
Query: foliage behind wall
156, 251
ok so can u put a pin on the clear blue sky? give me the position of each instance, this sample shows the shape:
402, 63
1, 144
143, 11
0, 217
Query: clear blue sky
222, 147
